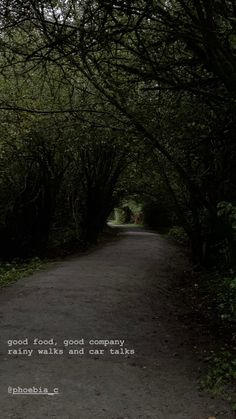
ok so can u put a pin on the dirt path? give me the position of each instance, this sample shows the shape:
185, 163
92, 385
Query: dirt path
122, 291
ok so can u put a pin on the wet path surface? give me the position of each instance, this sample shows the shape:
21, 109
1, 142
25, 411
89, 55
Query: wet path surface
124, 291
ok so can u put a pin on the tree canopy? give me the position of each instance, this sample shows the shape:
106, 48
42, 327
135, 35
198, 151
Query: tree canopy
102, 100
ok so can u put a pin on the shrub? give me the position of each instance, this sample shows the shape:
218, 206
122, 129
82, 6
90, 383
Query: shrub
178, 233
222, 303
221, 372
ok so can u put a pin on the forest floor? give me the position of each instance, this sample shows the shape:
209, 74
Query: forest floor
126, 290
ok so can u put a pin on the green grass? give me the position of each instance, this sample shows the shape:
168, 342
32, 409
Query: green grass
13, 271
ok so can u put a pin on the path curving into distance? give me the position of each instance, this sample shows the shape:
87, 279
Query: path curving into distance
122, 295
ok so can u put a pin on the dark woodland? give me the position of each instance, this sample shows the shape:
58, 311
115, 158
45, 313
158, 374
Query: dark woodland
122, 110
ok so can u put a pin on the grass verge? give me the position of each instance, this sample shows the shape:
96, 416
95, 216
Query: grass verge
13, 271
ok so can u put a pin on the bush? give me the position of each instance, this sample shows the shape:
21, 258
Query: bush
217, 294
178, 233
222, 371
222, 304
120, 216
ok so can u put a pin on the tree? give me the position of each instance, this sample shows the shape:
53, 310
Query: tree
138, 57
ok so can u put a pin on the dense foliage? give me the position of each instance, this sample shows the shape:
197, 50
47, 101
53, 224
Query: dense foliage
104, 102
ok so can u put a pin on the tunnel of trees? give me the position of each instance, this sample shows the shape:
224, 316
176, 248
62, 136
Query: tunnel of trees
127, 108
100, 101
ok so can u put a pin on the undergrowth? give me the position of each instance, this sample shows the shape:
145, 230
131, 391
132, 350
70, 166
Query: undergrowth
220, 378
178, 234
13, 271
217, 294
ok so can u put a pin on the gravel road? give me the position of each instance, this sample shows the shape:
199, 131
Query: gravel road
115, 346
